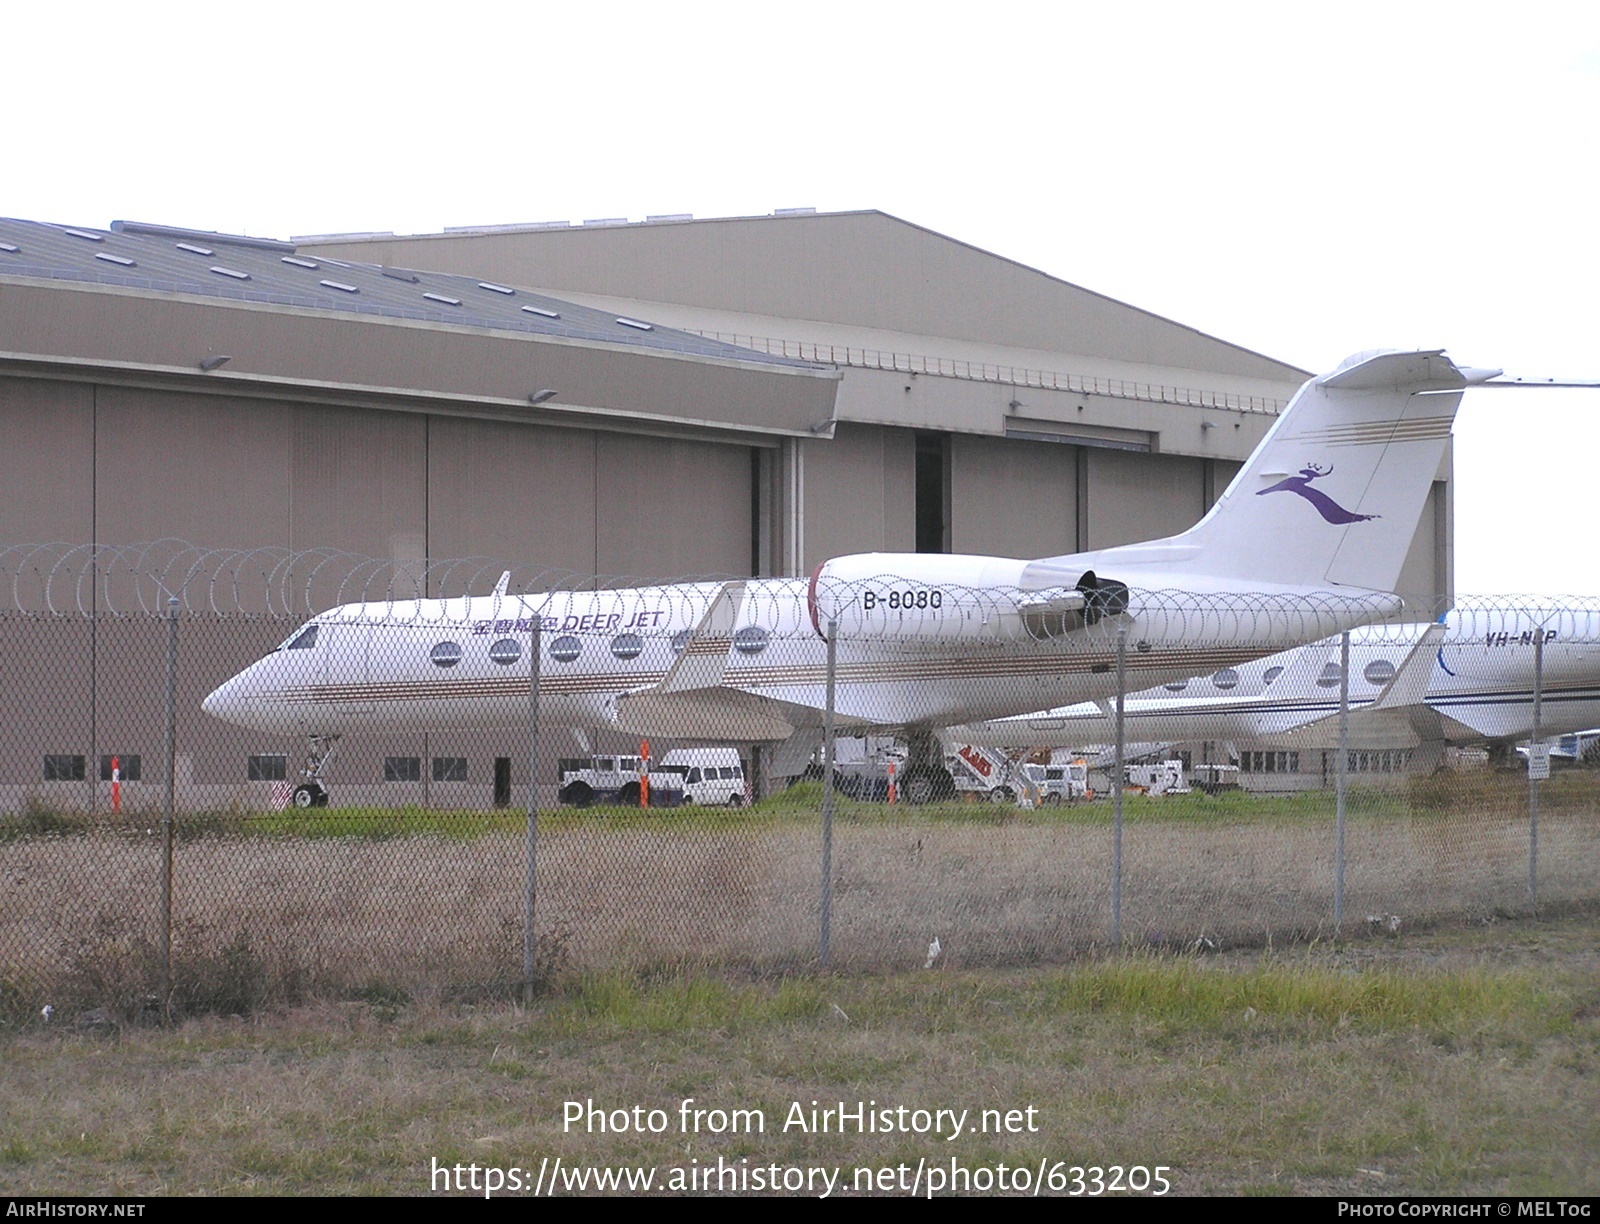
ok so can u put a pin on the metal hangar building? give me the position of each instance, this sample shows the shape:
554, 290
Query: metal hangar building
654, 400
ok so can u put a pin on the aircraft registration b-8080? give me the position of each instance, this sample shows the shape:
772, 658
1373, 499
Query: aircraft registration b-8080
1308, 540
1466, 679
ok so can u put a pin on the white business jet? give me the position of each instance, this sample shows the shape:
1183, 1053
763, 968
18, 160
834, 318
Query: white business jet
1307, 541
1467, 679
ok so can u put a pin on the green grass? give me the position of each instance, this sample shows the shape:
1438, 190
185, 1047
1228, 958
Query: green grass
1469, 792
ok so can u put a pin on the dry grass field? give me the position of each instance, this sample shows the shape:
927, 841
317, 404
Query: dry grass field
282, 909
1460, 1060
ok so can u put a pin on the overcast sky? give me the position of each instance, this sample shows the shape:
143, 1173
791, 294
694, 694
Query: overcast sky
1304, 181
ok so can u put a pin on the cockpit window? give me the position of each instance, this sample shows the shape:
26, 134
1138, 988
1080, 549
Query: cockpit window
304, 640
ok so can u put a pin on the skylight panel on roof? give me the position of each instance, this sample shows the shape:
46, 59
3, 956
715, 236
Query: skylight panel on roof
339, 285
193, 249
121, 260
84, 234
9, 248
494, 288
301, 263
233, 272
540, 310
400, 274
636, 324
439, 297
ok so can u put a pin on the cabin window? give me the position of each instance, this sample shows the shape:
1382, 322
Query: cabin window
1227, 678
680, 639
1379, 671
445, 654
1177, 686
402, 769
1271, 674
750, 640
627, 646
268, 767
565, 649
1332, 673
506, 651
63, 767
450, 769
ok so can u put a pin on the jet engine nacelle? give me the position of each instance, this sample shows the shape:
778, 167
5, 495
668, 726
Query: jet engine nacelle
940, 597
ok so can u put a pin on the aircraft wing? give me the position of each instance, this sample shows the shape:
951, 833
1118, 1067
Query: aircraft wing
710, 714
1409, 686
692, 701
1388, 717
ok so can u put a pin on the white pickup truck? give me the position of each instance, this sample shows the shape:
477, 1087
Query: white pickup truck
614, 781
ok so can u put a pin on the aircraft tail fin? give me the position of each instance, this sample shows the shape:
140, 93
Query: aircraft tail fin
1334, 493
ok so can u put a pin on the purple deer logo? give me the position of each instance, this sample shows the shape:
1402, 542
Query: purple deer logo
1331, 510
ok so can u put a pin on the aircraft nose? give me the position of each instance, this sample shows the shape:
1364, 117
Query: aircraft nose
222, 702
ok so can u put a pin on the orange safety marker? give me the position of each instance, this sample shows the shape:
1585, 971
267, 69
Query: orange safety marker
644, 773
891, 782
116, 785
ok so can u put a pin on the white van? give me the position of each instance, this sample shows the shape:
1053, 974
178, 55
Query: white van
709, 776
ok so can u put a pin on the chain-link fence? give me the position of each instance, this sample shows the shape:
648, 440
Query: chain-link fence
431, 794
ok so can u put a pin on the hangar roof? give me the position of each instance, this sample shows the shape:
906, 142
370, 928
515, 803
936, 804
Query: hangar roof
163, 306
170, 260
864, 269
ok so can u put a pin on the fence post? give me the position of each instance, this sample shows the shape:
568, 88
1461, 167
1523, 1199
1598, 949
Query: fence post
533, 808
827, 792
1117, 777
1344, 762
1533, 773
167, 806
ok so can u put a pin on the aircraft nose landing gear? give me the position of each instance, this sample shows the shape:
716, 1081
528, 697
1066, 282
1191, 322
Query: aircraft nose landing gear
312, 792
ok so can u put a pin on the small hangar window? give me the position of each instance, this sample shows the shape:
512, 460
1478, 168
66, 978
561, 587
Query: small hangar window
449, 769
267, 767
402, 769
128, 764
565, 649
506, 651
1227, 678
627, 646
63, 767
445, 654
